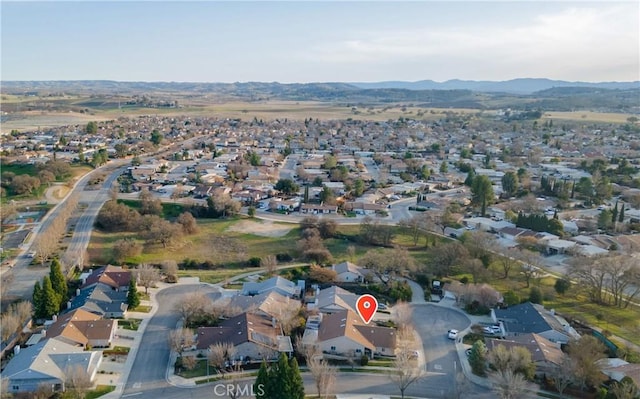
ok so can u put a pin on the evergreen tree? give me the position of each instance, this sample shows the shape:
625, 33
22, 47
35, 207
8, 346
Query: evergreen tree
621, 216
265, 387
58, 282
444, 168
470, 176
306, 194
50, 304
614, 214
297, 385
133, 297
281, 373
38, 309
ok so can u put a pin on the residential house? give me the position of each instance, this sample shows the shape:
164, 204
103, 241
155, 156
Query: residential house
347, 272
48, 363
274, 284
82, 328
101, 300
527, 318
266, 304
254, 337
333, 299
617, 369
344, 333
364, 208
114, 277
284, 205
546, 355
318, 208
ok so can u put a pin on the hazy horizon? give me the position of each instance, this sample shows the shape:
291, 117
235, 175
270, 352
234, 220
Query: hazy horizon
331, 41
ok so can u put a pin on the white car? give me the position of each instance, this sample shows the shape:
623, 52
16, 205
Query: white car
452, 334
492, 330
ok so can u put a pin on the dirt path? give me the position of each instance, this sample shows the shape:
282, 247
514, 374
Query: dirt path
56, 193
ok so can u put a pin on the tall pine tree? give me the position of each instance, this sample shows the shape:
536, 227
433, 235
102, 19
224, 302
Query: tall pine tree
38, 309
297, 385
263, 388
58, 282
614, 214
133, 297
50, 304
621, 216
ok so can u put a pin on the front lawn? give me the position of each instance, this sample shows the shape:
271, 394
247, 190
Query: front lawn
130, 324
99, 391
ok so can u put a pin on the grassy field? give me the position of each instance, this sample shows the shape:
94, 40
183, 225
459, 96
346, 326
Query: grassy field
215, 242
588, 116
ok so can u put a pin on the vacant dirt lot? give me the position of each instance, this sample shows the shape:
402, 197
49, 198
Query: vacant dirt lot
264, 229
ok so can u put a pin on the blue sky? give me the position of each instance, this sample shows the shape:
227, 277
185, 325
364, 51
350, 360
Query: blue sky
304, 41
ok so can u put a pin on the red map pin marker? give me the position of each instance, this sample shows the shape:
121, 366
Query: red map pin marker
366, 305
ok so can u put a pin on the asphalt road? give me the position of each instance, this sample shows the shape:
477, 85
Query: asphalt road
149, 368
23, 275
147, 378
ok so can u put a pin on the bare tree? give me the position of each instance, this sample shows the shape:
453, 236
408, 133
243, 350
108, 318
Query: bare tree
269, 263
5, 284
625, 389
387, 264
9, 324
351, 252
189, 362
289, 315
402, 315
406, 369
323, 374
188, 223
221, 354
511, 385
181, 339
508, 260
170, 270
194, 306
147, 276
77, 382
562, 375
516, 359
584, 354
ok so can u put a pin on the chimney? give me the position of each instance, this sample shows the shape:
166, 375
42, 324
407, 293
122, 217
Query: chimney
16, 349
77, 291
68, 304
54, 318
273, 322
44, 333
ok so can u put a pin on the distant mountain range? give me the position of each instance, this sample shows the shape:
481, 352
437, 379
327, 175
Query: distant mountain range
544, 94
515, 86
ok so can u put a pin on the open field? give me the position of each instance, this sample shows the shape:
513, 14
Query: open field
587, 116
216, 237
265, 110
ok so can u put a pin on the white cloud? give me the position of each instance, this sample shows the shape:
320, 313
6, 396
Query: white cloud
569, 44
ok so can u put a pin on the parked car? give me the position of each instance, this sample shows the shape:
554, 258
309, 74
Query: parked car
452, 334
492, 330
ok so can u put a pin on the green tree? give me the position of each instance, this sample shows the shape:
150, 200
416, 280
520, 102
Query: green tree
482, 193
478, 358
584, 187
251, 211
91, 128
535, 295
604, 220
614, 214
81, 158
326, 195
444, 168
133, 296
50, 303
358, 188
253, 158
156, 137
296, 383
510, 184
471, 175
621, 216
562, 285
58, 282
38, 302
286, 186
264, 387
